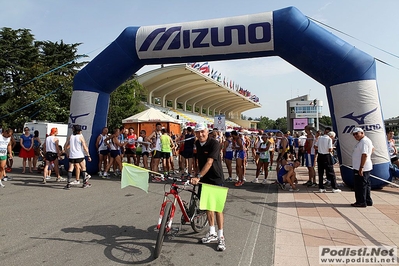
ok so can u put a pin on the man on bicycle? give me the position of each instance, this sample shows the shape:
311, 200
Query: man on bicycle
210, 171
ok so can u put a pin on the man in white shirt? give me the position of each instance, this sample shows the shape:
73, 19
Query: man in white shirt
301, 151
362, 166
324, 147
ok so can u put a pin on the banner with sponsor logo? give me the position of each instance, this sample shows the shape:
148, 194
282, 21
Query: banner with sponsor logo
300, 123
356, 104
83, 107
243, 34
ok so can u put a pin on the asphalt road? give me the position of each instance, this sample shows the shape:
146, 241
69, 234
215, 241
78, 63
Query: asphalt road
43, 224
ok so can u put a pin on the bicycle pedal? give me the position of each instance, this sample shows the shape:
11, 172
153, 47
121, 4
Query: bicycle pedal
174, 231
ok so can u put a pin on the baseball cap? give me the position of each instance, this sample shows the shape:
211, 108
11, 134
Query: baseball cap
357, 129
200, 126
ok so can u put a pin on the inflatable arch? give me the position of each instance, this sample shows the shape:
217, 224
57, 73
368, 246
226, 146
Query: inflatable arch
348, 74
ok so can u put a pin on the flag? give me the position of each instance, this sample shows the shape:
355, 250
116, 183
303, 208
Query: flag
213, 197
215, 74
134, 176
204, 68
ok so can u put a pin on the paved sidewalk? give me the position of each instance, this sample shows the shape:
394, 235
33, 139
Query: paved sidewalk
308, 219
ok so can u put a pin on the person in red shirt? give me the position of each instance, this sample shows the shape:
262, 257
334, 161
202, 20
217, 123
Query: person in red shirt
131, 146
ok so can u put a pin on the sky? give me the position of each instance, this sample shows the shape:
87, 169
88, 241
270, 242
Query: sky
371, 24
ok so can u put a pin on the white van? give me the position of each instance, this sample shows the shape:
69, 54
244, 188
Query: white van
44, 129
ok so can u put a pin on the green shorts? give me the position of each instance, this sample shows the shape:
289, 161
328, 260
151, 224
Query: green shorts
3, 158
264, 160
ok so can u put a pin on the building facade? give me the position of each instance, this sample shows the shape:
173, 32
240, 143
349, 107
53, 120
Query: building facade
303, 111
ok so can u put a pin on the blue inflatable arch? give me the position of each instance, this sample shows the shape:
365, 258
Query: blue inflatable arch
348, 74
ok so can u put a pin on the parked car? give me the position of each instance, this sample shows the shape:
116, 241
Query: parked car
17, 147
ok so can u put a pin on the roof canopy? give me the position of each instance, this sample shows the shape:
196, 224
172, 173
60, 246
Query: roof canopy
150, 115
187, 85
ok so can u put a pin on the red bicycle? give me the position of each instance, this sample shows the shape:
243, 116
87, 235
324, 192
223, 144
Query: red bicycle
190, 212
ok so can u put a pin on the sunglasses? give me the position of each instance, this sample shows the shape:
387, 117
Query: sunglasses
27, 129
354, 134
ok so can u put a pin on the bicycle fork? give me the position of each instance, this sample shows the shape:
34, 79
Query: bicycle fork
162, 213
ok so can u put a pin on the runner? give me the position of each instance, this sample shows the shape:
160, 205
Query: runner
52, 151
155, 139
130, 150
228, 155
264, 158
103, 151
5, 147
77, 149
240, 156
115, 146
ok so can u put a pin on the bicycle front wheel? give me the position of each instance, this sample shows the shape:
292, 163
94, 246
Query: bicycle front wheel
162, 229
199, 219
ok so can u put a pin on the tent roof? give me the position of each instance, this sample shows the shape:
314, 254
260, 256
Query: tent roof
150, 115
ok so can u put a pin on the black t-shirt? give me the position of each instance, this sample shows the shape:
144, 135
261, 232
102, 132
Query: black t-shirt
211, 149
189, 144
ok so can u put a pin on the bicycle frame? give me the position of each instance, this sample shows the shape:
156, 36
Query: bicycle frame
175, 193
197, 218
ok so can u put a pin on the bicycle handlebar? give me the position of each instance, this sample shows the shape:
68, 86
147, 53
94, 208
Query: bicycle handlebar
187, 183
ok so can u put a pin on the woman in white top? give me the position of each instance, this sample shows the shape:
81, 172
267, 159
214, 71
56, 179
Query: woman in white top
52, 152
5, 146
77, 149
142, 149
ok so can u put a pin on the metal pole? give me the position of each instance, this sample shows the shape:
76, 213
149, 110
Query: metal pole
317, 116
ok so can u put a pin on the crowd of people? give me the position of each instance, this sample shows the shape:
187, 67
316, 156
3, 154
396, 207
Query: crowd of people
199, 154
176, 154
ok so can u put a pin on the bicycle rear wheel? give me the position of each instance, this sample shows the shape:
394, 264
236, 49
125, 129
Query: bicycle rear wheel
199, 218
162, 229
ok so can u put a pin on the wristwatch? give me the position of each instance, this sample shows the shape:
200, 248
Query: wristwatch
199, 175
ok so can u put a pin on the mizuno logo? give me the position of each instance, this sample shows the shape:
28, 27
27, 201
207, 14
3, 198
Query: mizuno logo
359, 118
177, 38
74, 117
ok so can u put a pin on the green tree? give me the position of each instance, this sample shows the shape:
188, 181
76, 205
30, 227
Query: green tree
124, 102
265, 122
281, 124
36, 78
325, 120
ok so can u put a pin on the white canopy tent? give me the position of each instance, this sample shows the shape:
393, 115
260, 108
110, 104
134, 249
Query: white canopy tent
150, 115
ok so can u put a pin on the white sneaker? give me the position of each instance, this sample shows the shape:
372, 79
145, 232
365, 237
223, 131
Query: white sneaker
75, 182
256, 180
336, 190
264, 182
322, 190
221, 244
294, 190
1, 184
209, 238
244, 179
48, 177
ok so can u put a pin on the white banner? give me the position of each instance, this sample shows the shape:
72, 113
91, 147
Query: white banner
243, 34
83, 109
356, 104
